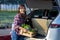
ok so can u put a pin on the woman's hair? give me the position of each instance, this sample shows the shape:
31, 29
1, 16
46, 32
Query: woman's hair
22, 7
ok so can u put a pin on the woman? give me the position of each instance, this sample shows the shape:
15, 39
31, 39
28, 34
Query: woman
19, 19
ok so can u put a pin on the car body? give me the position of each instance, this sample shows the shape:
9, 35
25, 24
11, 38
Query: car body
54, 29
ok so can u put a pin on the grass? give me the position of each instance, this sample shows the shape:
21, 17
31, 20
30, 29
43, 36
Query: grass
7, 16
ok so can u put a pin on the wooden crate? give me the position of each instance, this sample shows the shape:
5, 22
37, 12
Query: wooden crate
26, 32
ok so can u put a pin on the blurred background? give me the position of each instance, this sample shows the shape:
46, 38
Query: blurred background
8, 9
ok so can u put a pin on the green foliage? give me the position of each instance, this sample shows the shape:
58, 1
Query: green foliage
28, 27
7, 16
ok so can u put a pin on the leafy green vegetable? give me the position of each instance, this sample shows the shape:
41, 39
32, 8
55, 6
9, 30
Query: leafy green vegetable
28, 27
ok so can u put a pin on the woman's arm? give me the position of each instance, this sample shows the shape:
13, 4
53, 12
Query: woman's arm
16, 18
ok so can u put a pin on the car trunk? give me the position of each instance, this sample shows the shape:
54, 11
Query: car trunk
40, 21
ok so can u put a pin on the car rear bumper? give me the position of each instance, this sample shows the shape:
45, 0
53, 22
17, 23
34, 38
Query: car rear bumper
53, 34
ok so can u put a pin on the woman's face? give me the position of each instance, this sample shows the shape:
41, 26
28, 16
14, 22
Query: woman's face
22, 10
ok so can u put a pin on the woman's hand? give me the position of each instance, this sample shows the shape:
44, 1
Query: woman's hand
16, 29
22, 30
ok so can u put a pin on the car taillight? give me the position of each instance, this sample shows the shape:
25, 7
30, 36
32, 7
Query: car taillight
55, 26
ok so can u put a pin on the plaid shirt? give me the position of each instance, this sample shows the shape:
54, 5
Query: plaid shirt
18, 21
